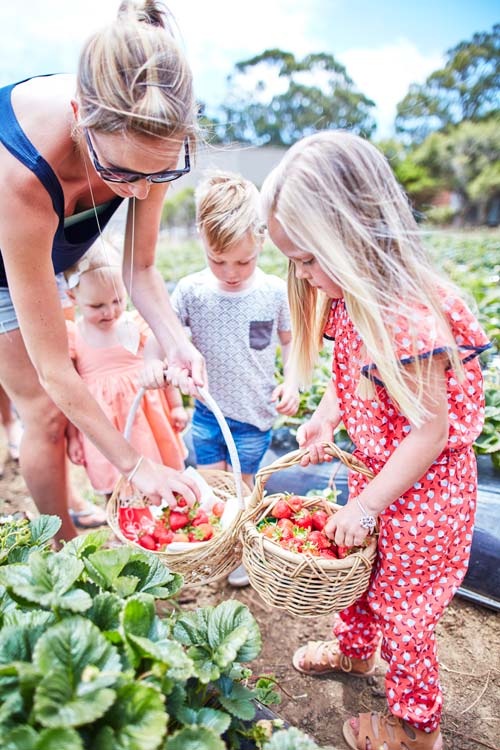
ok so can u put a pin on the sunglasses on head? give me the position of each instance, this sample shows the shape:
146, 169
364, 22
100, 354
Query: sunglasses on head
116, 174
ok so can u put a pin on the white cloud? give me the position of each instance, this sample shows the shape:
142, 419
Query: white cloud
384, 74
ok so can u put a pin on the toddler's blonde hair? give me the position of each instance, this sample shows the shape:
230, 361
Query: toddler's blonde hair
336, 197
102, 260
227, 209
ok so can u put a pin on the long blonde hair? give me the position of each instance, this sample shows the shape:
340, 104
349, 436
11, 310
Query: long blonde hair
336, 197
132, 76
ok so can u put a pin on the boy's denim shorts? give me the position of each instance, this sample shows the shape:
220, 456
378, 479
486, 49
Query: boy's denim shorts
210, 446
8, 317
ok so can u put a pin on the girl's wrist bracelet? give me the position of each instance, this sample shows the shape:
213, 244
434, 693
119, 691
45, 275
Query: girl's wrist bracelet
135, 469
366, 521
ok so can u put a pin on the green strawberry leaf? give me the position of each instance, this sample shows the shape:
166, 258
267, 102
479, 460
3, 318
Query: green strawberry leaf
44, 528
194, 738
25, 738
136, 721
239, 702
211, 718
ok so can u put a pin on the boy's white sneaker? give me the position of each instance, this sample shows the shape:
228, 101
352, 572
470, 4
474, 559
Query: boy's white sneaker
238, 577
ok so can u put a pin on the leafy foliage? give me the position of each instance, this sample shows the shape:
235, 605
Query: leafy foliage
291, 98
466, 88
101, 670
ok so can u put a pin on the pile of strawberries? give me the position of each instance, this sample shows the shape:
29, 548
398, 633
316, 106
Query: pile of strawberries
300, 529
183, 524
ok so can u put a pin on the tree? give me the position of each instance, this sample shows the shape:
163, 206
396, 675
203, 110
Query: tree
275, 99
466, 159
416, 178
467, 88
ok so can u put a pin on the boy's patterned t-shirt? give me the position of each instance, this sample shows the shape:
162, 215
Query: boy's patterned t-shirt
237, 333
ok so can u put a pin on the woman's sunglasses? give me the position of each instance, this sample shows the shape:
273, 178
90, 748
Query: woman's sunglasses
125, 175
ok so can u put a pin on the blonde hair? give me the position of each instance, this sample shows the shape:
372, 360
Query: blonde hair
102, 260
133, 77
336, 197
227, 209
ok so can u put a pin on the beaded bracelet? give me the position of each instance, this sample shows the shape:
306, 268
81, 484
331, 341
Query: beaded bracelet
366, 521
135, 469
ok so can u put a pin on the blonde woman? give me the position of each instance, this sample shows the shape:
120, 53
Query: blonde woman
71, 150
407, 385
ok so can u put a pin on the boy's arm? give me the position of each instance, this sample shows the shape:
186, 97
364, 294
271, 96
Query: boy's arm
286, 393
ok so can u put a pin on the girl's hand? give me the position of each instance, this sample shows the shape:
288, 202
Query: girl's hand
186, 368
312, 434
344, 526
178, 418
287, 398
160, 482
153, 374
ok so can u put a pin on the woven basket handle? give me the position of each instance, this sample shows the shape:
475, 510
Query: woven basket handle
235, 462
295, 457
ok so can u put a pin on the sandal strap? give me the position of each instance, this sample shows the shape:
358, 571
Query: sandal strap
388, 732
326, 655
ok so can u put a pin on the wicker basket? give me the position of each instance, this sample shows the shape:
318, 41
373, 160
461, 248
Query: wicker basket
202, 563
304, 585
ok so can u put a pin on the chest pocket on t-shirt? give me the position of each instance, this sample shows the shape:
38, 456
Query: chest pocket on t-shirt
261, 332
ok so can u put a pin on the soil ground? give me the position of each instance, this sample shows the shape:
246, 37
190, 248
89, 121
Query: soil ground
469, 647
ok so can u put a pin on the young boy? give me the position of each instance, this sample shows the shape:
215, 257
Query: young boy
237, 315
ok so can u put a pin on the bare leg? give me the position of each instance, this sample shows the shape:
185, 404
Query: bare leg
42, 452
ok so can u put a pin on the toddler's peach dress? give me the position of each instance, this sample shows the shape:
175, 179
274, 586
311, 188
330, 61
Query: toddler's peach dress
112, 376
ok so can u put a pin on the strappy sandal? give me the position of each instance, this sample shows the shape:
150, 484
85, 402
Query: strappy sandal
379, 732
325, 657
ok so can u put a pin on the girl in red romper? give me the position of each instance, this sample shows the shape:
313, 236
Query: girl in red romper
406, 382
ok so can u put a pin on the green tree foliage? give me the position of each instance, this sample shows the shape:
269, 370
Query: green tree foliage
419, 182
467, 161
466, 88
179, 209
275, 99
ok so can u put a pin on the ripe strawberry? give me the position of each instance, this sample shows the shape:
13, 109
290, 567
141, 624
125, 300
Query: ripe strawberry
201, 533
177, 520
269, 530
162, 535
218, 508
281, 510
319, 519
330, 553
343, 552
180, 536
181, 501
319, 539
302, 519
200, 517
295, 503
286, 528
310, 548
147, 541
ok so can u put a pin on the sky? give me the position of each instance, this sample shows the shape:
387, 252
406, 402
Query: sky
384, 46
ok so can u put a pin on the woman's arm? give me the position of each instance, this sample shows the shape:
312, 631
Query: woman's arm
149, 295
406, 466
26, 250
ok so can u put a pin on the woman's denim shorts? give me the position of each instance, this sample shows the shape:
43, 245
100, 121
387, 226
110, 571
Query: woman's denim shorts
210, 446
8, 317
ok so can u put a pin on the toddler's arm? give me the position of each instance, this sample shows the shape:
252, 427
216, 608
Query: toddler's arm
178, 414
406, 466
286, 393
74, 445
153, 375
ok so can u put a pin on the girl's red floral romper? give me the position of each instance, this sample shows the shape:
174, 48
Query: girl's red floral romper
425, 536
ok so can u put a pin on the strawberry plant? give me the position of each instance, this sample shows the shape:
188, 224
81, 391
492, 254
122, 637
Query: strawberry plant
86, 662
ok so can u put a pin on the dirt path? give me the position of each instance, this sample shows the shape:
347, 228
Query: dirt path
469, 645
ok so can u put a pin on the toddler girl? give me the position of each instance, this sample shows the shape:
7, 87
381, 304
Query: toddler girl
111, 370
407, 384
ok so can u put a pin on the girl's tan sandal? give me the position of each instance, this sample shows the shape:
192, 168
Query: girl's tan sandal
325, 657
378, 732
